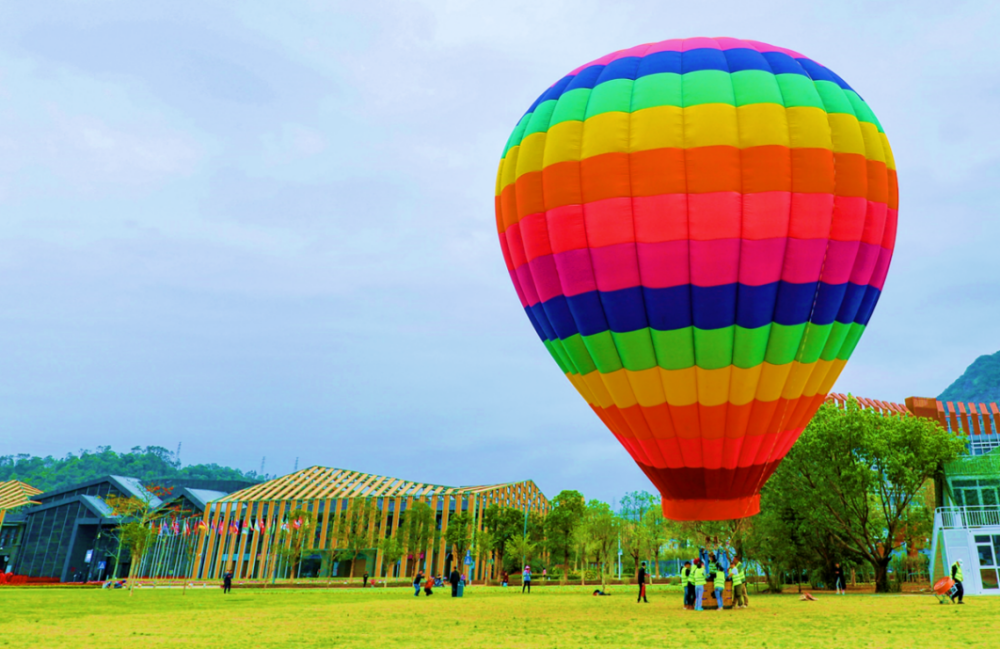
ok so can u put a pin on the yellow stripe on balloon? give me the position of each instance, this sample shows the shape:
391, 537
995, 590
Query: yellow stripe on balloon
873, 142
605, 133
710, 125
660, 127
762, 125
808, 128
731, 384
509, 169
846, 132
565, 143
530, 158
890, 161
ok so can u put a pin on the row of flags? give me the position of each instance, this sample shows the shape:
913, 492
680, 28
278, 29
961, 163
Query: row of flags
174, 528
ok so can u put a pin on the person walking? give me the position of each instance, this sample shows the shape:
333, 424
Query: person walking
687, 585
838, 579
956, 575
698, 575
454, 578
526, 579
642, 584
739, 587
227, 582
720, 584
416, 583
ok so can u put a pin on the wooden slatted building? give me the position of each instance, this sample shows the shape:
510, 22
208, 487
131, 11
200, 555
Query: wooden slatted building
233, 541
15, 494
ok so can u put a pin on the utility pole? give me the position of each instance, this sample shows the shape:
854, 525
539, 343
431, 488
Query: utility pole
262, 467
296, 465
177, 455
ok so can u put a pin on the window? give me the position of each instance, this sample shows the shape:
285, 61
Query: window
988, 549
976, 493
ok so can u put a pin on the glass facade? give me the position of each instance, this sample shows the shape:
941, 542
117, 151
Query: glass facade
981, 492
988, 548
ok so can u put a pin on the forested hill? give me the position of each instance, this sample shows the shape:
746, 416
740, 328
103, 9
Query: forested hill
146, 464
980, 383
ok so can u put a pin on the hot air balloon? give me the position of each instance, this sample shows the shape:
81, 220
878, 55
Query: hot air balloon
699, 230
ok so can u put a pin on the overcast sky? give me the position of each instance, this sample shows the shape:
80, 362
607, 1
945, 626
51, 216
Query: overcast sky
268, 229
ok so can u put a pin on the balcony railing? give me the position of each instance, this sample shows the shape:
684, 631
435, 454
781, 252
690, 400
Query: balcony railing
959, 518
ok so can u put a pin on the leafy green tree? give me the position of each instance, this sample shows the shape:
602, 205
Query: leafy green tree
392, 551
635, 534
297, 538
603, 527
135, 527
854, 475
420, 527
354, 524
564, 519
149, 464
484, 551
458, 535
504, 524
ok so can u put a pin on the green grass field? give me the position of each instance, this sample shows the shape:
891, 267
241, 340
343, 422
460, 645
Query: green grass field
487, 617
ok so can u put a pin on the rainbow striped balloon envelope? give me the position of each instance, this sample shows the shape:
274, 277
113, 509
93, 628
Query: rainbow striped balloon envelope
699, 230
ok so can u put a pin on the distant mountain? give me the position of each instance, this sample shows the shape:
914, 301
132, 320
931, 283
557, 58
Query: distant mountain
147, 464
980, 383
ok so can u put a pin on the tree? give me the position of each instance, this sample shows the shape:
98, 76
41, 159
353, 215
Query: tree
293, 539
457, 535
564, 519
854, 474
484, 551
354, 525
602, 531
135, 529
636, 540
420, 527
504, 524
392, 551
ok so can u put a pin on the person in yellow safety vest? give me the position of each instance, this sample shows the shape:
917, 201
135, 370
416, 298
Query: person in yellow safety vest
698, 576
956, 575
687, 585
739, 587
720, 585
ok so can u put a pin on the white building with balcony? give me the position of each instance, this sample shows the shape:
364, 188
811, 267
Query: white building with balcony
968, 527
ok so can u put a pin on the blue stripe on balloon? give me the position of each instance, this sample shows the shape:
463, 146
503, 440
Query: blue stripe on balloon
712, 307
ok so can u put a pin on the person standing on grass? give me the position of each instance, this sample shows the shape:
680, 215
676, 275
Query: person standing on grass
454, 580
956, 575
227, 582
642, 584
838, 579
429, 586
364, 580
699, 583
686, 586
739, 587
720, 584
526, 579
416, 583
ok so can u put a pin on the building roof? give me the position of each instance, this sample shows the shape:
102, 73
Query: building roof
14, 494
319, 482
884, 407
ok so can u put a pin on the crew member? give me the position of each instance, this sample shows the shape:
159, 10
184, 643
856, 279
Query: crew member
956, 575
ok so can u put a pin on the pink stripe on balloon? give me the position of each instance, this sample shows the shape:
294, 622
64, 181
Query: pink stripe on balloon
576, 274
881, 268
664, 264
864, 264
546, 277
517, 289
615, 267
803, 260
527, 283
840, 256
714, 263
889, 234
874, 223
761, 260
765, 47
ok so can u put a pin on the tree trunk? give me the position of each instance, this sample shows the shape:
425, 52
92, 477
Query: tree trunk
881, 568
131, 569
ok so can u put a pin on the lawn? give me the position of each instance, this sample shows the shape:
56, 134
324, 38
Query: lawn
487, 617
